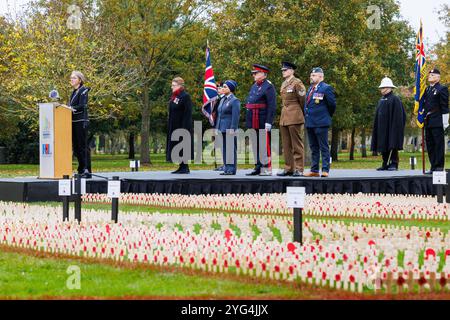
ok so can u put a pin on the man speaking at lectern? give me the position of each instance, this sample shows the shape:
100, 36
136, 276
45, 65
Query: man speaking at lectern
79, 104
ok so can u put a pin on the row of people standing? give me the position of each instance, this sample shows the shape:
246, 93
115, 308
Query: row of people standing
390, 120
315, 107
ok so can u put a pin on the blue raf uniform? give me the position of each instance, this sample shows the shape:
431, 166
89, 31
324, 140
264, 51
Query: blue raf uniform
261, 107
320, 106
227, 124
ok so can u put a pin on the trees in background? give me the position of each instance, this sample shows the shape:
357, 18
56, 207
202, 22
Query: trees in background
130, 50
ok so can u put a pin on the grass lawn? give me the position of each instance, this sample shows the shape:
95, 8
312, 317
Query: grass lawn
103, 163
26, 274
39, 276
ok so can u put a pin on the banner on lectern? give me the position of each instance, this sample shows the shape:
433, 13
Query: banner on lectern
46, 140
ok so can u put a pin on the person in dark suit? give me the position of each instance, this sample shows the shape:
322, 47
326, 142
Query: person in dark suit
389, 126
261, 108
180, 117
436, 110
227, 124
320, 106
80, 123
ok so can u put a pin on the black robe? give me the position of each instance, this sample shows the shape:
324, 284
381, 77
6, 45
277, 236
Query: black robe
389, 124
180, 117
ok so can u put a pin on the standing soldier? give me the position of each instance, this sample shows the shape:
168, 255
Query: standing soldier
436, 120
320, 106
292, 121
261, 107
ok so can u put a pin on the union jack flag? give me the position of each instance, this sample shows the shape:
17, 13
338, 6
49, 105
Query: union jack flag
421, 78
210, 93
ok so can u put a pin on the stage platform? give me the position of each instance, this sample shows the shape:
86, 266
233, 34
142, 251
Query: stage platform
31, 189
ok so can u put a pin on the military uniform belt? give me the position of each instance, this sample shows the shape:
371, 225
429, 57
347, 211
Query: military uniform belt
255, 113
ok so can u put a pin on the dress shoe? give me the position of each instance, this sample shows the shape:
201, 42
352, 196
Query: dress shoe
429, 172
325, 174
382, 168
86, 175
222, 168
184, 171
255, 172
228, 174
265, 172
392, 168
176, 171
311, 174
297, 173
284, 174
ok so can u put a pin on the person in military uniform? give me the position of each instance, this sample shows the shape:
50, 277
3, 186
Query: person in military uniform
227, 124
292, 121
436, 120
389, 126
80, 122
220, 91
261, 108
320, 106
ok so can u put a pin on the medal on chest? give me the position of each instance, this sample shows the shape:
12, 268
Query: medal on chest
176, 101
318, 97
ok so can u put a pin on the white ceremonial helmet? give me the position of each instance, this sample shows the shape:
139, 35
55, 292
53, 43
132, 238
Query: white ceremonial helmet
387, 83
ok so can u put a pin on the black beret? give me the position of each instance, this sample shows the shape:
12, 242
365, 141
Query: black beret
435, 71
288, 65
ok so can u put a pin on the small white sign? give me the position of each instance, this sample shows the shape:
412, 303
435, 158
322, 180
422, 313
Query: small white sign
133, 164
114, 189
83, 186
64, 187
439, 177
296, 197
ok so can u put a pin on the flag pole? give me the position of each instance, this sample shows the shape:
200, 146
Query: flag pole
214, 151
215, 135
423, 151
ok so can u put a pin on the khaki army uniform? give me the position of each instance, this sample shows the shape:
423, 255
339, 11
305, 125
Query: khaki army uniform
292, 121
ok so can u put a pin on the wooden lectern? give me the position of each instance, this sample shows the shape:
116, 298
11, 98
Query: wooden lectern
55, 141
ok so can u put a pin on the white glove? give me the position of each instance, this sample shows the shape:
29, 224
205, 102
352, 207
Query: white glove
268, 127
445, 120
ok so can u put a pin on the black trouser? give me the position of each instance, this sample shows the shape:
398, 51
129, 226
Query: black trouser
390, 158
436, 147
80, 146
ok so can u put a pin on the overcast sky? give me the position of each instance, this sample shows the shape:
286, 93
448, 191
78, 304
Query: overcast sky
411, 10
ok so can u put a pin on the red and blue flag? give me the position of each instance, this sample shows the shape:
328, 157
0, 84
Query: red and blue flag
210, 93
